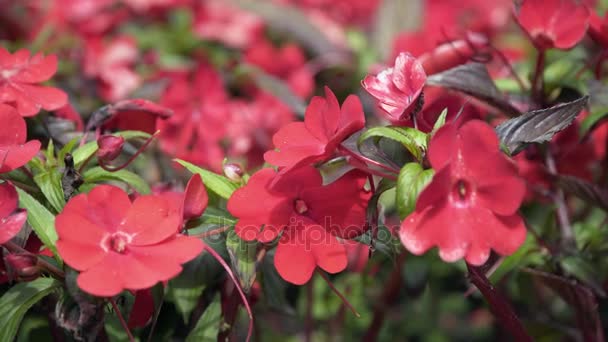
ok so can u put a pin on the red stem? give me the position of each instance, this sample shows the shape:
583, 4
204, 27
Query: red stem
333, 288
125, 164
122, 320
237, 284
538, 91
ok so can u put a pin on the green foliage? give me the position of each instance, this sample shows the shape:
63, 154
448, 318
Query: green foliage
219, 184
412, 139
412, 179
15, 302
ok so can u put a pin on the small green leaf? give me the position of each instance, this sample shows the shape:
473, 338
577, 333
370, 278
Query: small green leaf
413, 139
17, 300
41, 220
49, 183
440, 121
243, 259
87, 150
412, 179
50, 154
97, 174
208, 326
219, 184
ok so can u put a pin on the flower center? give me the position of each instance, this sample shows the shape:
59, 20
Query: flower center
117, 242
461, 192
300, 206
8, 73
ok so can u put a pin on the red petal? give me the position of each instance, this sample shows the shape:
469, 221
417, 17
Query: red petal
80, 256
13, 130
103, 279
150, 220
295, 143
13, 157
72, 226
195, 198
437, 191
502, 197
293, 261
38, 70
443, 146
255, 203
340, 206
105, 205
11, 225
46, 97
8, 199
143, 309
329, 254
322, 116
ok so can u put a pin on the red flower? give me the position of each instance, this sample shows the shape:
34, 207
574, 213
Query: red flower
554, 23
10, 221
19, 75
135, 114
308, 214
325, 126
252, 125
287, 62
221, 21
194, 132
471, 204
397, 88
112, 64
121, 245
14, 151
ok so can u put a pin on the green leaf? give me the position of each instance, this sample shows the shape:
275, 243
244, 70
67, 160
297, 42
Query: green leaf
440, 121
412, 179
413, 139
243, 259
41, 220
87, 150
49, 183
208, 326
213, 216
219, 184
17, 300
97, 174
50, 154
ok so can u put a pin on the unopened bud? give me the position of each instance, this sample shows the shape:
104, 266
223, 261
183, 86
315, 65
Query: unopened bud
233, 172
110, 147
23, 266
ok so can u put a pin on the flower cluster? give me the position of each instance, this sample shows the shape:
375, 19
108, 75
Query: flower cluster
167, 163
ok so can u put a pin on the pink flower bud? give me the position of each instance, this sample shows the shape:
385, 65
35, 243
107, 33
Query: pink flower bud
23, 266
233, 172
110, 147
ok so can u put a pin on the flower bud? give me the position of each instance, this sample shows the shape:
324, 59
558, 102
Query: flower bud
23, 266
110, 147
233, 171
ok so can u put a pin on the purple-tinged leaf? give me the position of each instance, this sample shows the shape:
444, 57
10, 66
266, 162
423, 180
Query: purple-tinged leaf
473, 79
588, 192
539, 125
580, 297
499, 305
292, 21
